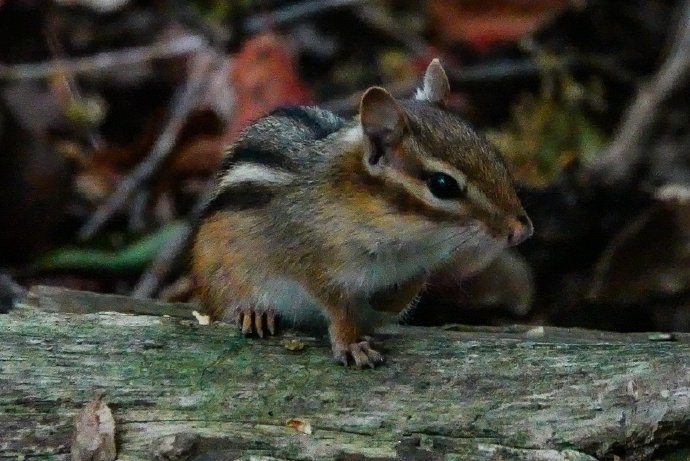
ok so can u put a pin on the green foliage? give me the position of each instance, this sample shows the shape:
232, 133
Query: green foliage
552, 129
131, 258
218, 11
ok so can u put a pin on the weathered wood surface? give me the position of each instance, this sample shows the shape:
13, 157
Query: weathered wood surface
484, 394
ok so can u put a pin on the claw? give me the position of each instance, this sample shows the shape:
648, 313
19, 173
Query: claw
247, 322
360, 353
259, 324
271, 322
373, 356
253, 321
360, 357
341, 357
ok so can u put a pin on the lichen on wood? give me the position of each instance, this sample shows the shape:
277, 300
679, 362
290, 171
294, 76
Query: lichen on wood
444, 393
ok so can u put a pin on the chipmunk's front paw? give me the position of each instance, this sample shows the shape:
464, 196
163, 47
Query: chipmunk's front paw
255, 320
360, 353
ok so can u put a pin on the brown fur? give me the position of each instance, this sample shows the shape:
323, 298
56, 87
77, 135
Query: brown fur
347, 212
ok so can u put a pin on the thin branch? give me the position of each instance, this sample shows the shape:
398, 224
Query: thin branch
492, 72
184, 102
71, 86
293, 13
150, 282
159, 270
103, 61
618, 163
378, 18
348, 104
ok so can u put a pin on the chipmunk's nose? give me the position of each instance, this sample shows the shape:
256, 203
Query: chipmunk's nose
520, 229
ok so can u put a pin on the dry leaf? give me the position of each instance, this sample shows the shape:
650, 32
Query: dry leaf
293, 345
483, 24
202, 319
299, 425
264, 77
94, 433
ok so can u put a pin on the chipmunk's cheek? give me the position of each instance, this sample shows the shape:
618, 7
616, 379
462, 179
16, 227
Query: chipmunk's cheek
476, 254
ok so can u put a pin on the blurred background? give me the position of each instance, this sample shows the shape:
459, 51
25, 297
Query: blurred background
113, 114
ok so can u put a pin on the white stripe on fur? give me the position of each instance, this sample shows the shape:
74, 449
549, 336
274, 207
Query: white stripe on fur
248, 172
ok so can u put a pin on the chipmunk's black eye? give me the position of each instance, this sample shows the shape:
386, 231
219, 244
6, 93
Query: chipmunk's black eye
445, 186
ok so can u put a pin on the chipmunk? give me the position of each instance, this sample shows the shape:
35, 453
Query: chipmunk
314, 212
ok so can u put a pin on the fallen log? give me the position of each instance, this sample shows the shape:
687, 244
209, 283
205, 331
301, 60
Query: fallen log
181, 390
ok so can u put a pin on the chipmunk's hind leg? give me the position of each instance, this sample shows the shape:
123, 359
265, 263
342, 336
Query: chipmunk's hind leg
346, 328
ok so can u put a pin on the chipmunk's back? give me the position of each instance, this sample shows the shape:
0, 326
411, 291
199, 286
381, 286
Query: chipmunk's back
269, 153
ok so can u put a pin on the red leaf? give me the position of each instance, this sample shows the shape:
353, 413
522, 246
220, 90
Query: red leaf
264, 77
483, 24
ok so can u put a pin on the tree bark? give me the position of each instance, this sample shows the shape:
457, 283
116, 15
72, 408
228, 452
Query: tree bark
180, 390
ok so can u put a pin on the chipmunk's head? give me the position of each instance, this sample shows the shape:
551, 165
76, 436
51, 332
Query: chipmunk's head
439, 169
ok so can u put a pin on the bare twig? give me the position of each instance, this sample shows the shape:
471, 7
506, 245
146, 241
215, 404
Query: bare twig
64, 300
150, 282
184, 102
71, 86
293, 13
378, 18
501, 70
622, 158
138, 210
495, 71
348, 104
103, 61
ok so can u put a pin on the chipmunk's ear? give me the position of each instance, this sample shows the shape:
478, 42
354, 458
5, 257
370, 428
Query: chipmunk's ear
384, 123
436, 87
